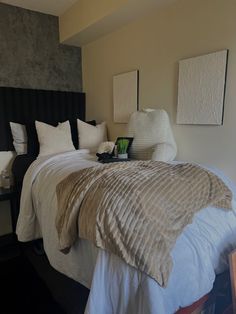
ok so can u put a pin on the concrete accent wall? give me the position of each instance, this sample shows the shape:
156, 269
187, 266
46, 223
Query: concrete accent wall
30, 53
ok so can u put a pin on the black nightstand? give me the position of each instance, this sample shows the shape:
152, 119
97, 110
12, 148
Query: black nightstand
9, 246
8, 195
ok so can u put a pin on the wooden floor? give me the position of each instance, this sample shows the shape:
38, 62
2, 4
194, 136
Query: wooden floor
71, 295
28, 284
22, 290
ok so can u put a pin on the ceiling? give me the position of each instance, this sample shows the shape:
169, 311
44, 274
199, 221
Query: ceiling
77, 28
54, 7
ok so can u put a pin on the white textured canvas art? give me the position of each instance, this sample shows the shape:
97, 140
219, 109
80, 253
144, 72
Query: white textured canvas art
125, 95
201, 89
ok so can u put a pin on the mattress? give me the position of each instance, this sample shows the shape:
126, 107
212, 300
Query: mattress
198, 255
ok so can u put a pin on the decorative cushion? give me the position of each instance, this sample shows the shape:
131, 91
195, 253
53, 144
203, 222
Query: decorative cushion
153, 138
90, 136
33, 143
74, 130
19, 135
54, 140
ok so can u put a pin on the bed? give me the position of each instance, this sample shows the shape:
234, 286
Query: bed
200, 252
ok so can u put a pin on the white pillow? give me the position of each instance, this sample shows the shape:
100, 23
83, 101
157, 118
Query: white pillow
53, 140
19, 135
91, 136
153, 137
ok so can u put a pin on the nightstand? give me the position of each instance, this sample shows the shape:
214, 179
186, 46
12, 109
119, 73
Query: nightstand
8, 195
9, 246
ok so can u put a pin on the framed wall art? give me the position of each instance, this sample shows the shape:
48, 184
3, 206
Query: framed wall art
125, 95
201, 89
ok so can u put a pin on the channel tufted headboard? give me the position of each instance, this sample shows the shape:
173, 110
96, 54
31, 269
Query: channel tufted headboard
27, 105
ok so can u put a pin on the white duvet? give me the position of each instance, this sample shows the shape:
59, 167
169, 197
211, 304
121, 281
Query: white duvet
116, 288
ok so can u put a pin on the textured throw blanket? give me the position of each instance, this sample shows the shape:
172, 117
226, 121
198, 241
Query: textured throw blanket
136, 210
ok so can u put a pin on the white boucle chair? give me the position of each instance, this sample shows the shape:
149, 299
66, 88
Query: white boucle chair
153, 137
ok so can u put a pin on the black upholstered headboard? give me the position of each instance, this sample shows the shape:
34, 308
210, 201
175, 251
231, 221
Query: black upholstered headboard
27, 105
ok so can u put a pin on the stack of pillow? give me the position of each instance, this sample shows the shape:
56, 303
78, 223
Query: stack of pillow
50, 139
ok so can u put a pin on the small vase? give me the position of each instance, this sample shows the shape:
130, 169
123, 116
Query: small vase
123, 156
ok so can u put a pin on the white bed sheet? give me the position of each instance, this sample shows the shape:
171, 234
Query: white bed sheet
116, 288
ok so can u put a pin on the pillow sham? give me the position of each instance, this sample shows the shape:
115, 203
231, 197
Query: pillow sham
53, 140
33, 143
90, 136
19, 135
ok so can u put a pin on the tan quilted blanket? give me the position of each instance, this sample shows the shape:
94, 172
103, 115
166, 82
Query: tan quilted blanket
136, 210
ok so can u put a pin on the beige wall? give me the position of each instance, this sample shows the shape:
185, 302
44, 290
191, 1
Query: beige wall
154, 45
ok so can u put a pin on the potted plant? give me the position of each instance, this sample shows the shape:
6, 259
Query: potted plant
122, 147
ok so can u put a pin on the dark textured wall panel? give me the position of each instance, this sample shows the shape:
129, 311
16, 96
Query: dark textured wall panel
30, 53
27, 105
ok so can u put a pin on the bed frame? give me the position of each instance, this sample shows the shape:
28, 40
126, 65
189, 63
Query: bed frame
27, 105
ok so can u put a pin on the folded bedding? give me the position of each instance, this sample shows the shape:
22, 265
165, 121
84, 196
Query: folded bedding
115, 287
136, 210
